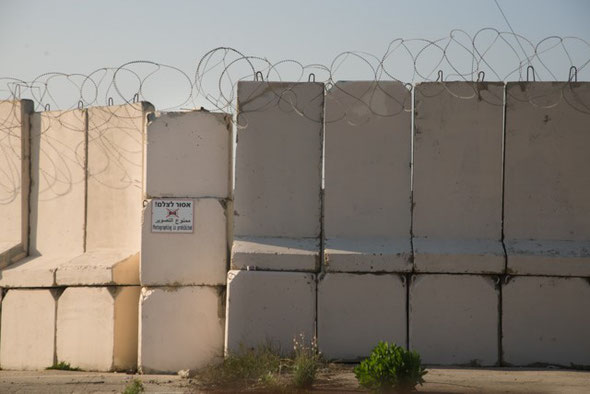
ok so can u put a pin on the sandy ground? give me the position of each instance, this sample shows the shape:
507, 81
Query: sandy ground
339, 379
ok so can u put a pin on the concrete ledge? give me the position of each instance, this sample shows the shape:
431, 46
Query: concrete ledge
176, 259
547, 257
100, 267
97, 327
546, 321
454, 319
269, 307
368, 255
278, 254
27, 339
180, 328
355, 312
34, 271
471, 256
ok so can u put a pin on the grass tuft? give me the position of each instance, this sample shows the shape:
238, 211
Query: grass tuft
63, 366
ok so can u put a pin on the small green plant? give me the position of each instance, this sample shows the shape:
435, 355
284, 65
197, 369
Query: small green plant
390, 368
306, 363
134, 387
63, 366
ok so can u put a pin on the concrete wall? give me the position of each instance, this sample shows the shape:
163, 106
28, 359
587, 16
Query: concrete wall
547, 196
445, 291
458, 177
367, 177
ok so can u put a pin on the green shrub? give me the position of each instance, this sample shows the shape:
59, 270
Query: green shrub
306, 362
135, 387
390, 367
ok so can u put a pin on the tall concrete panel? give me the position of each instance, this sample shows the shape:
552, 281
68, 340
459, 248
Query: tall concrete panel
269, 308
454, 319
547, 188
115, 175
367, 177
356, 311
14, 179
546, 321
457, 180
278, 159
58, 190
278, 170
189, 154
180, 328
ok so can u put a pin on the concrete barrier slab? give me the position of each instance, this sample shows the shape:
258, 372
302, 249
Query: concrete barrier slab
454, 319
546, 321
27, 338
368, 255
278, 159
188, 154
547, 190
458, 256
115, 176
269, 308
100, 267
367, 174
185, 258
357, 311
14, 179
457, 183
180, 328
58, 192
279, 254
97, 327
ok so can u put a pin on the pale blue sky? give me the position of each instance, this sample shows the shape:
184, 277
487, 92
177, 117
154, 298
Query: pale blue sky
38, 36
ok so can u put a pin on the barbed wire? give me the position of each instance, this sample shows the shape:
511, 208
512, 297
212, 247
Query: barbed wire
488, 54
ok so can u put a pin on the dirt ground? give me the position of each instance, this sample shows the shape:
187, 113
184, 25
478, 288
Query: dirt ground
337, 379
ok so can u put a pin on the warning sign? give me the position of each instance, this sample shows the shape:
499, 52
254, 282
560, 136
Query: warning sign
172, 216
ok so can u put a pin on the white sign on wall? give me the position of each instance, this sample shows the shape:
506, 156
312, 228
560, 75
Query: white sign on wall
172, 216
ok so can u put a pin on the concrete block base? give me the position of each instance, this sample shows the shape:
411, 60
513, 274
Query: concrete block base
97, 327
543, 257
368, 255
277, 254
27, 338
546, 321
458, 256
357, 311
454, 319
180, 328
266, 307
